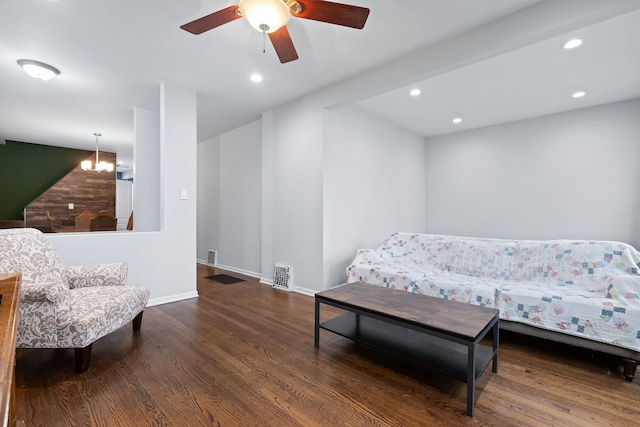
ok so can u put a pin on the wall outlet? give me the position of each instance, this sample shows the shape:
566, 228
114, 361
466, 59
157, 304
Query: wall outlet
70, 205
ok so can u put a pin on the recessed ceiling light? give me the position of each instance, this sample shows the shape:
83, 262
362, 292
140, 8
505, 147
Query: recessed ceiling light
572, 43
579, 94
256, 77
415, 92
38, 70
457, 120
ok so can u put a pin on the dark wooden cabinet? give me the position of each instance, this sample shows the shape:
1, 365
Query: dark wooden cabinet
10, 291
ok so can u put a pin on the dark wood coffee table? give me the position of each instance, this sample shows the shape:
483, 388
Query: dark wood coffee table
439, 334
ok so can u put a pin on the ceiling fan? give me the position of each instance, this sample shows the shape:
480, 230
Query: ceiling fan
270, 17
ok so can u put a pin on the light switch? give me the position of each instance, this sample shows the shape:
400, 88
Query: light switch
70, 205
183, 194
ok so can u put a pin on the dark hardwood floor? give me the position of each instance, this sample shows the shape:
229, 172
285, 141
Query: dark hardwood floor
243, 355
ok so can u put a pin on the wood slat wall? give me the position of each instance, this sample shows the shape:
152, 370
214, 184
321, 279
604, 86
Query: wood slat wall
243, 354
87, 190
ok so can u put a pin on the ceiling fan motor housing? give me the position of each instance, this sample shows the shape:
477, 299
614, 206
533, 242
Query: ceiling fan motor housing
271, 16
294, 7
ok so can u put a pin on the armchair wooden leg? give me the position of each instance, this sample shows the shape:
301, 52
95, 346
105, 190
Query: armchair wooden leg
83, 357
137, 322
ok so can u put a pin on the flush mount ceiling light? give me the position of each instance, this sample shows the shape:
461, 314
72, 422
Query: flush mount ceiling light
457, 120
37, 69
256, 77
100, 166
415, 92
579, 94
572, 44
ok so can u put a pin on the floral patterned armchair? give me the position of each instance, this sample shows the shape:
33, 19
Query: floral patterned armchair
67, 307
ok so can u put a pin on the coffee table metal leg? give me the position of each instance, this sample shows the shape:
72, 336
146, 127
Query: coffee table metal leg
496, 338
316, 335
471, 377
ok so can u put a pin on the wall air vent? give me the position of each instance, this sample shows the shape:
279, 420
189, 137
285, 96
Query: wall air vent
283, 277
212, 257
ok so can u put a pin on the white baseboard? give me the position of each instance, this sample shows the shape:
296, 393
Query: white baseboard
262, 280
229, 268
239, 271
194, 294
266, 281
172, 298
298, 289
304, 291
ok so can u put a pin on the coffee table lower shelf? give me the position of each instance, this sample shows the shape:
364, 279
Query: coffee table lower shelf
433, 353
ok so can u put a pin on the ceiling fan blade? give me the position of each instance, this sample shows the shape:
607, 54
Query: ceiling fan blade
283, 45
212, 21
334, 13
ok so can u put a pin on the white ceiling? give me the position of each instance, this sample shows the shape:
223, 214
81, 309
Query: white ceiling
529, 82
114, 54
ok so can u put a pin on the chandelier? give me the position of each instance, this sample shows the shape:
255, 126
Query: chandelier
103, 166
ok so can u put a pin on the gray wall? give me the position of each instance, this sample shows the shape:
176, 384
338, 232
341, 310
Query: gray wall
160, 260
374, 185
570, 175
295, 144
229, 194
208, 212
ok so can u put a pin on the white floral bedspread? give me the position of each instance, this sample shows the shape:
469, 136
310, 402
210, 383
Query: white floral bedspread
585, 288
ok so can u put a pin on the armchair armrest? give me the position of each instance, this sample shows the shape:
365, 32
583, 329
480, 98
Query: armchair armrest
55, 293
114, 274
32, 292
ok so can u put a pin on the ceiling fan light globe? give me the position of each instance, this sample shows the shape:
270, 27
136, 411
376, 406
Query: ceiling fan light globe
269, 14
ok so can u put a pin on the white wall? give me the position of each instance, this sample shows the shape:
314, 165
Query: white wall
569, 175
124, 202
229, 220
163, 261
374, 185
294, 136
208, 200
240, 190
267, 255
146, 169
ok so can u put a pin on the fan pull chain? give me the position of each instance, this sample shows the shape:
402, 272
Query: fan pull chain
264, 28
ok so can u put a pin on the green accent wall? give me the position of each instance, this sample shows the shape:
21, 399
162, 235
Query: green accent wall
27, 170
